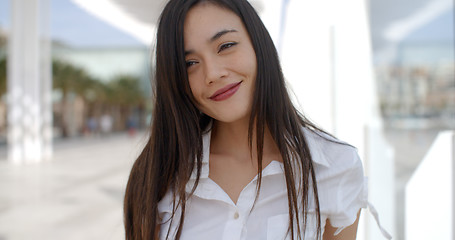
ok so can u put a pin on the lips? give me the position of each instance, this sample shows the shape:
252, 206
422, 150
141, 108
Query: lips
225, 92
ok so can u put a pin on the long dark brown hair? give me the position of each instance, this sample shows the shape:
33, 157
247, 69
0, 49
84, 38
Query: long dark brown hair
174, 149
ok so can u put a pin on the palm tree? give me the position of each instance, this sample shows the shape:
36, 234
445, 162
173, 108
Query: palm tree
69, 79
125, 95
3, 38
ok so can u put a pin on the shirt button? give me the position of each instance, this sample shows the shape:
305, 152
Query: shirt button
236, 215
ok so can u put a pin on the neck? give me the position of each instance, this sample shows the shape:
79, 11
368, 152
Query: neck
232, 139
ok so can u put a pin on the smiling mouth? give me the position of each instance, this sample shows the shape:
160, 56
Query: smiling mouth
225, 92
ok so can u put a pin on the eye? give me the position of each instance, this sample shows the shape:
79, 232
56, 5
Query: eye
190, 63
226, 46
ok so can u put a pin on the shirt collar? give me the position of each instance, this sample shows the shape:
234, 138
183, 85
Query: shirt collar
315, 143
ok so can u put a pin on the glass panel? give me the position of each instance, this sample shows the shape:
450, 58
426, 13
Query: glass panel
413, 47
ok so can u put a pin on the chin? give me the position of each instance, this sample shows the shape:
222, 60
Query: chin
232, 115
231, 119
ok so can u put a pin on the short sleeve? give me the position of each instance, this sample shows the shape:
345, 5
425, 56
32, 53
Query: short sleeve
351, 193
342, 186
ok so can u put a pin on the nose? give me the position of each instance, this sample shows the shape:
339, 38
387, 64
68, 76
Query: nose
215, 70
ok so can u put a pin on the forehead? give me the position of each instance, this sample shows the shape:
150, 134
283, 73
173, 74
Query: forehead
206, 19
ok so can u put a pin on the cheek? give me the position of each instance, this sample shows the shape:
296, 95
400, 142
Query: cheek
195, 90
248, 62
193, 85
253, 64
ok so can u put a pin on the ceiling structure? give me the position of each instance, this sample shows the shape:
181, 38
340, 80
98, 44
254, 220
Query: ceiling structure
136, 17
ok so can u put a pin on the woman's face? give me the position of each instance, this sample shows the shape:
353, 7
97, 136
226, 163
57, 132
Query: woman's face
221, 62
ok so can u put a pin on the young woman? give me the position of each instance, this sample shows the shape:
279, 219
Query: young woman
229, 157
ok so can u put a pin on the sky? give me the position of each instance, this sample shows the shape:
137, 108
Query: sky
440, 29
75, 27
431, 19
4, 13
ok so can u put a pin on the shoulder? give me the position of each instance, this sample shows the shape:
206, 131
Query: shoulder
337, 167
342, 186
330, 152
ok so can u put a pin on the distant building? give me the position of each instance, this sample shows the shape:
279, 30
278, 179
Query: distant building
419, 86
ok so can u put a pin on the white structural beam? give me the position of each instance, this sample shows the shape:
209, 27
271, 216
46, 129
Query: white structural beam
29, 83
46, 79
137, 18
430, 193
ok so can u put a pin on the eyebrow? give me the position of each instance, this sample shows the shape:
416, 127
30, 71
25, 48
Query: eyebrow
221, 33
215, 37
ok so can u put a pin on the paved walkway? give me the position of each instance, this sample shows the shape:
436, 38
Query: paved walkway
77, 195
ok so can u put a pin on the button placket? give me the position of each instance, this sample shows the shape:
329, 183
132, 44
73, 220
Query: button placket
234, 226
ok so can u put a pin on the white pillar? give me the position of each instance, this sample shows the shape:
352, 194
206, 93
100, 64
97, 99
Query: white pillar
28, 84
46, 79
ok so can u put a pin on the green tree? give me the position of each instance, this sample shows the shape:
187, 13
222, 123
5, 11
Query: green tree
125, 94
3, 39
3, 62
125, 90
69, 79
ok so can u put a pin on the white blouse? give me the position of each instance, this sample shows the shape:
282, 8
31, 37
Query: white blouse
211, 214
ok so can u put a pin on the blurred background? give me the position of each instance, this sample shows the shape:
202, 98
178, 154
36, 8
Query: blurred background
75, 105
